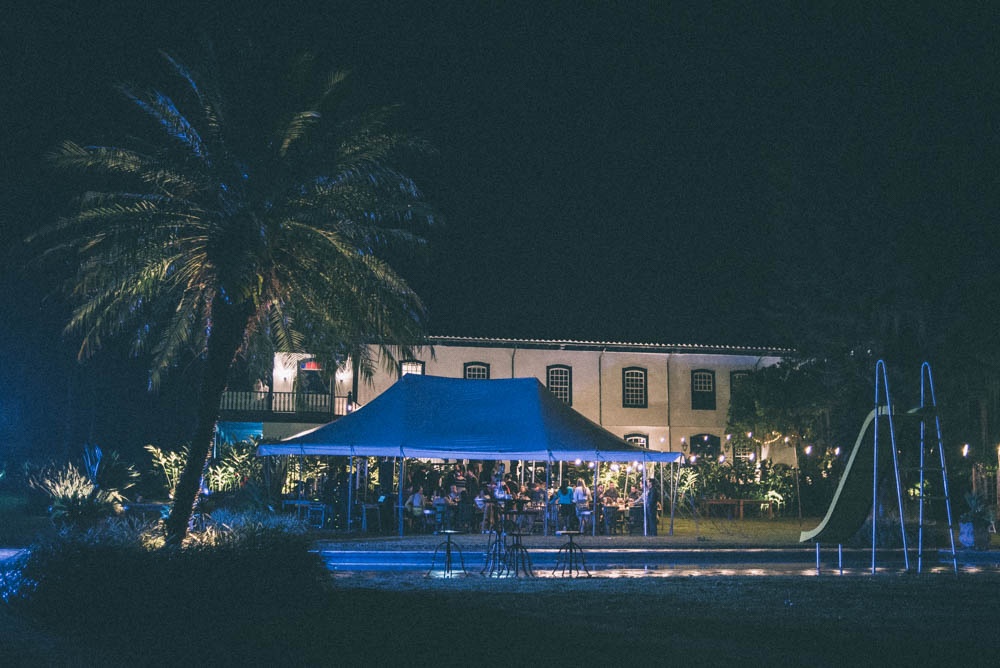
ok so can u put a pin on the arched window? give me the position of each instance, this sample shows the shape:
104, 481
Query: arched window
702, 390
706, 445
411, 366
476, 371
559, 380
642, 440
634, 387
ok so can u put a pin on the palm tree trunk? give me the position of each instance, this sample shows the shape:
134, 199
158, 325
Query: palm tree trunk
228, 326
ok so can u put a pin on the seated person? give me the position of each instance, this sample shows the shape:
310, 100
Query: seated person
415, 504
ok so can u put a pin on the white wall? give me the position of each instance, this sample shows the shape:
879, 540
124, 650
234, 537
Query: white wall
597, 385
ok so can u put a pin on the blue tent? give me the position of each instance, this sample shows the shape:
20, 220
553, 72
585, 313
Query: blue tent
432, 417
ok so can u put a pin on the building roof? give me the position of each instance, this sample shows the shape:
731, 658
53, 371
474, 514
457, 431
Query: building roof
616, 346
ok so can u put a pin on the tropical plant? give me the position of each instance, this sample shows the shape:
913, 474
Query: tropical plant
74, 496
171, 463
979, 513
224, 226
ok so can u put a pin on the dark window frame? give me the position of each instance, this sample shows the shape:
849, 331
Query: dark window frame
706, 447
639, 434
645, 387
735, 376
569, 379
702, 400
423, 366
465, 369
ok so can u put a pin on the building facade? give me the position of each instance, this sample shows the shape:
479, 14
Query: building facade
660, 396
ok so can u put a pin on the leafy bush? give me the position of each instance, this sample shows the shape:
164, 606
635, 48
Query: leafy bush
84, 496
74, 497
118, 580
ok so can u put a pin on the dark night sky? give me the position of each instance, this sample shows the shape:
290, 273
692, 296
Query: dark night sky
654, 174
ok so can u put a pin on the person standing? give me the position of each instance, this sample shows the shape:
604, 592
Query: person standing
567, 509
651, 498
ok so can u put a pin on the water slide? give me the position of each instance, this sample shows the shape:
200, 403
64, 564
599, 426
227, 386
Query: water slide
852, 502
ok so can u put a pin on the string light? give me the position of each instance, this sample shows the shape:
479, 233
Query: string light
809, 449
965, 450
752, 456
578, 462
836, 451
722, 458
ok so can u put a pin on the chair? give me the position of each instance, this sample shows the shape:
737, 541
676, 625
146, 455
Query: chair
583, 515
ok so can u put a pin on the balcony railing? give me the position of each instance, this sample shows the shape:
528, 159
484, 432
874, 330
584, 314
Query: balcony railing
282, 405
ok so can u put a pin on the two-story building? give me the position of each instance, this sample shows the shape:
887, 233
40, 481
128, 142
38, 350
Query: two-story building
664, 396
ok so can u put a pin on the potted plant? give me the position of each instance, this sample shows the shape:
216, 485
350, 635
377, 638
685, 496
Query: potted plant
974, 524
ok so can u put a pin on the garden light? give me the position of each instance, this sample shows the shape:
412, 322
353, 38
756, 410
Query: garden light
965, 450
749, 434
809, 449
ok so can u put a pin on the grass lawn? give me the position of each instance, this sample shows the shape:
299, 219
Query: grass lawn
817, 621
18, 526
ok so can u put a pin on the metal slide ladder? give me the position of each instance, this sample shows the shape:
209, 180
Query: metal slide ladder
927, 410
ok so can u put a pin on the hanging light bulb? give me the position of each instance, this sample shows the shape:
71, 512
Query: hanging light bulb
722, 458
836, 451
729, 437
965, 450
749, 434
590, 465
752, 456
615, 468
809, 449
578, 462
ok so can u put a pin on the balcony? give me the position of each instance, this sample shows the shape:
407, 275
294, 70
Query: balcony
255, 406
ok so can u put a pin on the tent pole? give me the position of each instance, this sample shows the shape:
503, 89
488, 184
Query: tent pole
560, 473
533, 473
548, 466
674, 475
399, 497
660, 512
645, 502
350, 491
597, 468
520, 465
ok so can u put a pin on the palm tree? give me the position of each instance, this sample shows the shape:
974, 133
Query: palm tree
222, 228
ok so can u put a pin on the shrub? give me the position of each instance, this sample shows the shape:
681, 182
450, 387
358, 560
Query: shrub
74, 498
117, 579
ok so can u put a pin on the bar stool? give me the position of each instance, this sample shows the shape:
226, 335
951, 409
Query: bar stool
518, 559
570, 556
449, 571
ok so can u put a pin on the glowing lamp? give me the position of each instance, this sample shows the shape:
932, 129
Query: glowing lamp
752, 456
965, 450
722, 458
836, 451
749, 434
590, 465
809, 449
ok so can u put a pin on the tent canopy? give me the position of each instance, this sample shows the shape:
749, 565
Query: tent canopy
453, 418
